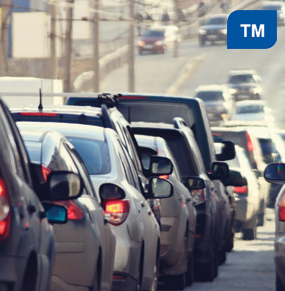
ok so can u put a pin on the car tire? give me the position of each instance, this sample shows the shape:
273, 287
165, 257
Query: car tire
230, 243
189, 276
174, 282
278, 284
260, 219
207, 272
248, 233
222, 257
201, 42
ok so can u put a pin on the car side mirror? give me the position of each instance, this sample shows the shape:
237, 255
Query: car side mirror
228, 151
55, 213
63, 185
235, 179
195, 183
110, 191
159, 188
220, 171
160, 166
275, 173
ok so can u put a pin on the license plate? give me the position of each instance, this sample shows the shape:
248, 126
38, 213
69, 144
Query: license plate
148, 46
212, 37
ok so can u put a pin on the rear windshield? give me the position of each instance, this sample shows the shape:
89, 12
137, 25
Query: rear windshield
210, 95
154, 33
216, 21
94, 153
268, 149
250, 109
244, 78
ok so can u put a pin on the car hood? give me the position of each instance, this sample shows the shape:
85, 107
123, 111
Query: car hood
213, 27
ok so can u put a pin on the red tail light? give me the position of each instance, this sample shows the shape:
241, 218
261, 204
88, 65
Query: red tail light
117, 211
163, 177
74, 212
281, 208
198, 195
249, 143
240, 190
38, 114
5, 214
45, 171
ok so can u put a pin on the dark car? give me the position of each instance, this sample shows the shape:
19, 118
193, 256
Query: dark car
245, 138
245, 85
27, 246
210, 228
214, 29
218, 101
152, 41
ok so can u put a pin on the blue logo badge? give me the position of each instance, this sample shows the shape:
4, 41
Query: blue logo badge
252, 29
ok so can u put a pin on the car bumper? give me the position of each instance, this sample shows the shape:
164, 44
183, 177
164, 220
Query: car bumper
244, 210
214, 37
151, 48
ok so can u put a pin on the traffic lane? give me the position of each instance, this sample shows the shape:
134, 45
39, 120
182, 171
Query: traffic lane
269, 63
249, 266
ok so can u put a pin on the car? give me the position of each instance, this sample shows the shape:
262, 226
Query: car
253, 111
214, 29
85, 244
279, 6
159, 39
211, 227
218, 101
246, 195
245, 138
245, 84
27, 245
275, 173
130, 217
178, 219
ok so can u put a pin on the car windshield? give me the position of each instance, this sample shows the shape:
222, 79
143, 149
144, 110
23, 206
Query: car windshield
217, 21
210, 95
95, 155
243, 78
154, 33
249, 109
271, 7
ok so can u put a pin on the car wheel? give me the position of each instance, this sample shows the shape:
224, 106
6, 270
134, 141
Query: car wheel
201, 42
278, 284
189, 276
206, 272
174, 282
248, 233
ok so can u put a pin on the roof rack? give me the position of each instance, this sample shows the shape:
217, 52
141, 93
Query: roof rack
108, 99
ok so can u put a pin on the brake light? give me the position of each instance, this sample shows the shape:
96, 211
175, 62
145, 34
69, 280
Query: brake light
41, 114
74, 212
134, 97
117, 211
45, 171
5, 215
198, 195
249, 143
240, 190
163, 177
281, 208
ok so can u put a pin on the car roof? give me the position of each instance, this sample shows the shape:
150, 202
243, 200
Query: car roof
250, 102
67, 129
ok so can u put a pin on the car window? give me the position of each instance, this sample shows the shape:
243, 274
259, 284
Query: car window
94, 153
216, 21
249, 109
210, 95
244, 78
154, 33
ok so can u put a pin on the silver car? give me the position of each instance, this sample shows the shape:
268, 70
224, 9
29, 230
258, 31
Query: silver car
178, 220
129, 214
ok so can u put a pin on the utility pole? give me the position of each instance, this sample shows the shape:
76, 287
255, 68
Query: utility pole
96, 55
5, 18
68, 46
53, 55
131, 61
175, 45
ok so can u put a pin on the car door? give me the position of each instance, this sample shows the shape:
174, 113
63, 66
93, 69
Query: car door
91, 200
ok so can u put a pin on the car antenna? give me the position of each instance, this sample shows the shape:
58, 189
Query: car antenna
40, 107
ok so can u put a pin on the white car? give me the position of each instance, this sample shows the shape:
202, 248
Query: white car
279, 6
113, 175
253, 111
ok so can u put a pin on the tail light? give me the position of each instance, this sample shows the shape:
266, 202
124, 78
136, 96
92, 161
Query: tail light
117, 211
45, 171
240, 190
163, 177
42, 114
249, 143
74, 212
5, 214
198, 195
281, 208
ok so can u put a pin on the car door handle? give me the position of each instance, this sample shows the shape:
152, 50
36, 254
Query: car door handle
149, 212
188, 199
31, 208
142, 204
106, 220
